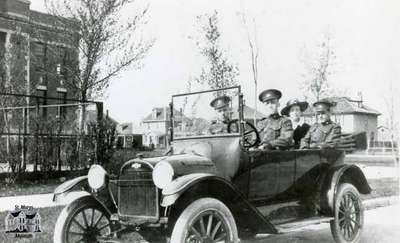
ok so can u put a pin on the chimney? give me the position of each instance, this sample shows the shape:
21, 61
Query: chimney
154, 113
360, 99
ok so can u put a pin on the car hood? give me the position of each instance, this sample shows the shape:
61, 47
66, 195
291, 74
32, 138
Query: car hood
184, 164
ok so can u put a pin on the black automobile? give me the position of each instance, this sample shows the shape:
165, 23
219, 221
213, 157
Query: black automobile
215, 187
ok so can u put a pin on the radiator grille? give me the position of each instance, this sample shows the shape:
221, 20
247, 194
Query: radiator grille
138, 195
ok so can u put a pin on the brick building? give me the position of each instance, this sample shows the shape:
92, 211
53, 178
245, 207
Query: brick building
50, 49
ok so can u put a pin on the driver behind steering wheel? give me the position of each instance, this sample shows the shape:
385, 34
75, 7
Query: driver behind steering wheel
276, 131
222, 105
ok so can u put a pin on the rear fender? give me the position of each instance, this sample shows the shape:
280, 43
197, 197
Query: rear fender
339, 174
189, 188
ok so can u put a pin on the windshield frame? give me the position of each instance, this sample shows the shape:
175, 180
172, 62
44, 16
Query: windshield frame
240, 98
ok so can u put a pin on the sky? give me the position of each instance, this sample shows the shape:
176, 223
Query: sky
364, 37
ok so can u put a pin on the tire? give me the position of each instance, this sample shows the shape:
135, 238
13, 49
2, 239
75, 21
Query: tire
349, 215
83, 219
205, 220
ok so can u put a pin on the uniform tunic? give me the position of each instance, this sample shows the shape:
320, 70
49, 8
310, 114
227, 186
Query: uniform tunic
322, 135
276, 132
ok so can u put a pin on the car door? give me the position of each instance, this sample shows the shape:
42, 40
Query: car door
287, 171
264, 175
308, 169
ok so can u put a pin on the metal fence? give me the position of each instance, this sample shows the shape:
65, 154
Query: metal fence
39, 133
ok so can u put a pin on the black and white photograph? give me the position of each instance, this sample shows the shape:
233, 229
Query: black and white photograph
199, 121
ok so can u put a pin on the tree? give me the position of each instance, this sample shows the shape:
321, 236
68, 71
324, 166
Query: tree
393, 109
316, 79
13, 56
219, 72
107, 43
254, 51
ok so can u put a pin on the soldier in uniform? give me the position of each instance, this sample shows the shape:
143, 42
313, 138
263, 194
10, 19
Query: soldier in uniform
276, 131
221, 105
324, 133
294, 110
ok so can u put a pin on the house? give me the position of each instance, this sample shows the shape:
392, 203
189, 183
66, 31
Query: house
352, 115
130, 135
155, 127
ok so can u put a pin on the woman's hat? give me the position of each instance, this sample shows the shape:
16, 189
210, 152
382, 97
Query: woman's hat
302, 104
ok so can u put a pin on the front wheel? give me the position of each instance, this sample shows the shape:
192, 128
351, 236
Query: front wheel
84, 220
349, 215
206, 220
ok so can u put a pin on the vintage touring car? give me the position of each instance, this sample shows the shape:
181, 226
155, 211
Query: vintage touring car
216, 187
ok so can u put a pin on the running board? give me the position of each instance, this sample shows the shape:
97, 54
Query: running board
288, 227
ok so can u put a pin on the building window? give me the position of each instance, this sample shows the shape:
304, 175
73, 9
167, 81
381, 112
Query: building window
39, 55
3, 39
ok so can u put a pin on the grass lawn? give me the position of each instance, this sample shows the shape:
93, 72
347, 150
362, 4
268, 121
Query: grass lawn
383, 188
29, 187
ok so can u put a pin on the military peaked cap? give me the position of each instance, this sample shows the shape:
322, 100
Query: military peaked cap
323, 105
269, 94
220, 102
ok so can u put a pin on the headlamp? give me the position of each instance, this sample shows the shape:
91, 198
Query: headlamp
163, 174
96, 177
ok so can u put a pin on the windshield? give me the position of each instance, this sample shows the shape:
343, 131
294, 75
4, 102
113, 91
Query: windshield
208, 113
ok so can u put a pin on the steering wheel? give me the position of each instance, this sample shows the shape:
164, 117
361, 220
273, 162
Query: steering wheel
251, 137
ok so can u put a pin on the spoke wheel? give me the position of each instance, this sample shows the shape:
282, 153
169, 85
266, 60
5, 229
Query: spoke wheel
206, 220
82, 221
349, 215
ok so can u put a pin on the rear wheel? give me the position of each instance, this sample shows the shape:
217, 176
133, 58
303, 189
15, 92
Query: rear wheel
83, 220
349, 215
206, 220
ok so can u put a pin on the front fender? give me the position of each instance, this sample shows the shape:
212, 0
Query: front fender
337, 175
188, 188
79, 183
78, 187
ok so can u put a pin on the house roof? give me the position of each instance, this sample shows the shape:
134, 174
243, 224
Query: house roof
91, 116
129, 128
160, 114
345, 105
248, 113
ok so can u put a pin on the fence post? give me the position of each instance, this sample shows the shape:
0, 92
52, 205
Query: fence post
99, 139
24, 126
36, 135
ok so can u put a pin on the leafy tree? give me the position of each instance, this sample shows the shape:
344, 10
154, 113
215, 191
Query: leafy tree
219, 71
